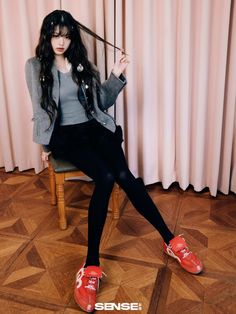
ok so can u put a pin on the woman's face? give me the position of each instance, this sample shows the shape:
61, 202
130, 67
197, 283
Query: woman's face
60, 40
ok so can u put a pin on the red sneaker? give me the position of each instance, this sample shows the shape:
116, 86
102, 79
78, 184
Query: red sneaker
179, 250
86, 287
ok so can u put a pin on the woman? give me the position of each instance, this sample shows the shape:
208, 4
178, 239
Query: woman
70, 121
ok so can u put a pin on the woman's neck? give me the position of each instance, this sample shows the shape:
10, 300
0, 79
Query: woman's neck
62, 63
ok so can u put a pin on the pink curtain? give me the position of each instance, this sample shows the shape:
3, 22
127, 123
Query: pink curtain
180, 102
20, 22
178, 109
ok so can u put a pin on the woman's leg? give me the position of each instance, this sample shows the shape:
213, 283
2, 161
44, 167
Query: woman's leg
75, 143
112, 151
92, 165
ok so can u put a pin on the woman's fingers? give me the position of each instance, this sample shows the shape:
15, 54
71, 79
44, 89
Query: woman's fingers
121, 63
124, 59
44, 156
122, 52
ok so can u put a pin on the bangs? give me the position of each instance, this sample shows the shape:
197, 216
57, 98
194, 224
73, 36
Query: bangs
62, 24
62, 30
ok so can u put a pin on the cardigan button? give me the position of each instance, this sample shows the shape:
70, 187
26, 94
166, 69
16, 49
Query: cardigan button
104, 123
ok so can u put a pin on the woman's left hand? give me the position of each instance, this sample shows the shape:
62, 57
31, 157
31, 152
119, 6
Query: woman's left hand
44, 156
120, 64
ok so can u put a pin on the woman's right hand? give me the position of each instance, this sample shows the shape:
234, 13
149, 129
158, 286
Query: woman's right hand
121, 63
45, 155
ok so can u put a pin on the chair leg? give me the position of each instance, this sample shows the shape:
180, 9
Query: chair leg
52, 184
115, 202
61, 201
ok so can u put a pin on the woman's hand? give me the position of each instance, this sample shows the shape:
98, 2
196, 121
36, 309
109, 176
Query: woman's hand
121, 64
44, 156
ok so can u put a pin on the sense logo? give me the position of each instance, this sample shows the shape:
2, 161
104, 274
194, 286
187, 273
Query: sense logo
125, 306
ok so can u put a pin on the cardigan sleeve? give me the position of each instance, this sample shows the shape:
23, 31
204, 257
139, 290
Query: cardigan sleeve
28, 76
32, 80
40, 118
110, 90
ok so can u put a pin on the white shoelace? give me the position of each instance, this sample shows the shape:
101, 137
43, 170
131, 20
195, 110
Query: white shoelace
91, 283
185, 252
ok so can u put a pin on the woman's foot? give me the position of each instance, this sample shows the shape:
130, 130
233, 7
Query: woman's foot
178, 249
86, 287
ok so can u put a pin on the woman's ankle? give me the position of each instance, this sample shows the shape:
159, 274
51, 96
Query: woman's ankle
91, 263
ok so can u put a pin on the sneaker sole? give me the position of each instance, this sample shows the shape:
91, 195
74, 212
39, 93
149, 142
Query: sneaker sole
82, 306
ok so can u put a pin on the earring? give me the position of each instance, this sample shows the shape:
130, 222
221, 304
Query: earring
80, 68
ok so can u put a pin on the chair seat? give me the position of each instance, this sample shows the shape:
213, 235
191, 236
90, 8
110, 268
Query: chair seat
60, 165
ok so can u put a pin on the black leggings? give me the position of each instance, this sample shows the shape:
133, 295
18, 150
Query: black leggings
98, 153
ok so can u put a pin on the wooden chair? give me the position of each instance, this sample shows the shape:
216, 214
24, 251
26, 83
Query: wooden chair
59, 171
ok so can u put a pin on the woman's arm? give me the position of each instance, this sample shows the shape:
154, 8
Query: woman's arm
32, 69
111, 88
28, 76
30, 80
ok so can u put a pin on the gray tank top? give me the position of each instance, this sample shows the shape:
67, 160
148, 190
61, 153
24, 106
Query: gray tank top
72, 111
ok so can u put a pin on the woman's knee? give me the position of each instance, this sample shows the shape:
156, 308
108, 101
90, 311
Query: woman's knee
124, 176
106, 179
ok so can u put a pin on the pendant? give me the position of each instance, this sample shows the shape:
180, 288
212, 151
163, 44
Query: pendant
80, 68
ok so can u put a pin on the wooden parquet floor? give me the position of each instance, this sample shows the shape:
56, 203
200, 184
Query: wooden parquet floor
38, 261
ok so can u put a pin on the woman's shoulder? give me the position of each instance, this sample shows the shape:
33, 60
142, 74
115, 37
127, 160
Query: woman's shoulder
34, 61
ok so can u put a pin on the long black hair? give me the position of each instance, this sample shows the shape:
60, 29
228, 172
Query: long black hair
76, 54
